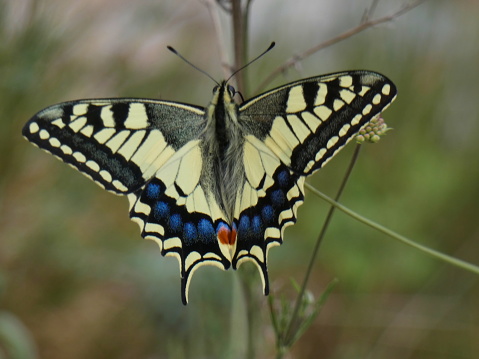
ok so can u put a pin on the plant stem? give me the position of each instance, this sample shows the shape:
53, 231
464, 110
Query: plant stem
446, 258
239, 22
290, 332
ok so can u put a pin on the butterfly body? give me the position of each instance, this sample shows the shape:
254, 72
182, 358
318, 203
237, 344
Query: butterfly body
224, 139
214, 185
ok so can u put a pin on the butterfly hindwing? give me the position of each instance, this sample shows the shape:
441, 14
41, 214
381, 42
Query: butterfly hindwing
266, 204
177, 209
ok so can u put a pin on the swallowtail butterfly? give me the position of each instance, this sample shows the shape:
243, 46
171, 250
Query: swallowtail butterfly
215, 185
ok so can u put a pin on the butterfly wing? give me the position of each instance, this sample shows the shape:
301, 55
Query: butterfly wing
150, 151
293, 131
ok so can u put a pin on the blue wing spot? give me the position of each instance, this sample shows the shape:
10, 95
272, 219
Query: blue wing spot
268, 213
190, 234
153, 190
205, 230
244, 224
161, 210
257, 224
278, 198
176, 224
283, 179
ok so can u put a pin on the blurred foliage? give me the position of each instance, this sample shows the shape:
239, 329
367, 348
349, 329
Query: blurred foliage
78, 284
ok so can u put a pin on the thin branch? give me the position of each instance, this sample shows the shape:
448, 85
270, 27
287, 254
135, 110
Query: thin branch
364, 25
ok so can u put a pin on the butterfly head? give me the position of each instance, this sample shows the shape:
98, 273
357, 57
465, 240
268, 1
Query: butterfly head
225, 87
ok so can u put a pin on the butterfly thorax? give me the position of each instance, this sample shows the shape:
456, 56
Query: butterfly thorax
224, 143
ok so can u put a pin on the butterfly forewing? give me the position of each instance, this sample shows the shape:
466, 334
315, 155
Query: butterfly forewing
215, 185
306, 122
119, 143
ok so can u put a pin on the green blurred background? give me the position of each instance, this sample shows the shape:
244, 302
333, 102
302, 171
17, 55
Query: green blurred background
74, 282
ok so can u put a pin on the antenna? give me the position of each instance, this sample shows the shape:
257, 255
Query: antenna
207, 74
256, 58
192, 65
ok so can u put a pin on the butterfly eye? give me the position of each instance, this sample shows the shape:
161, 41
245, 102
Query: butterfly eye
215, 88
231, 90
